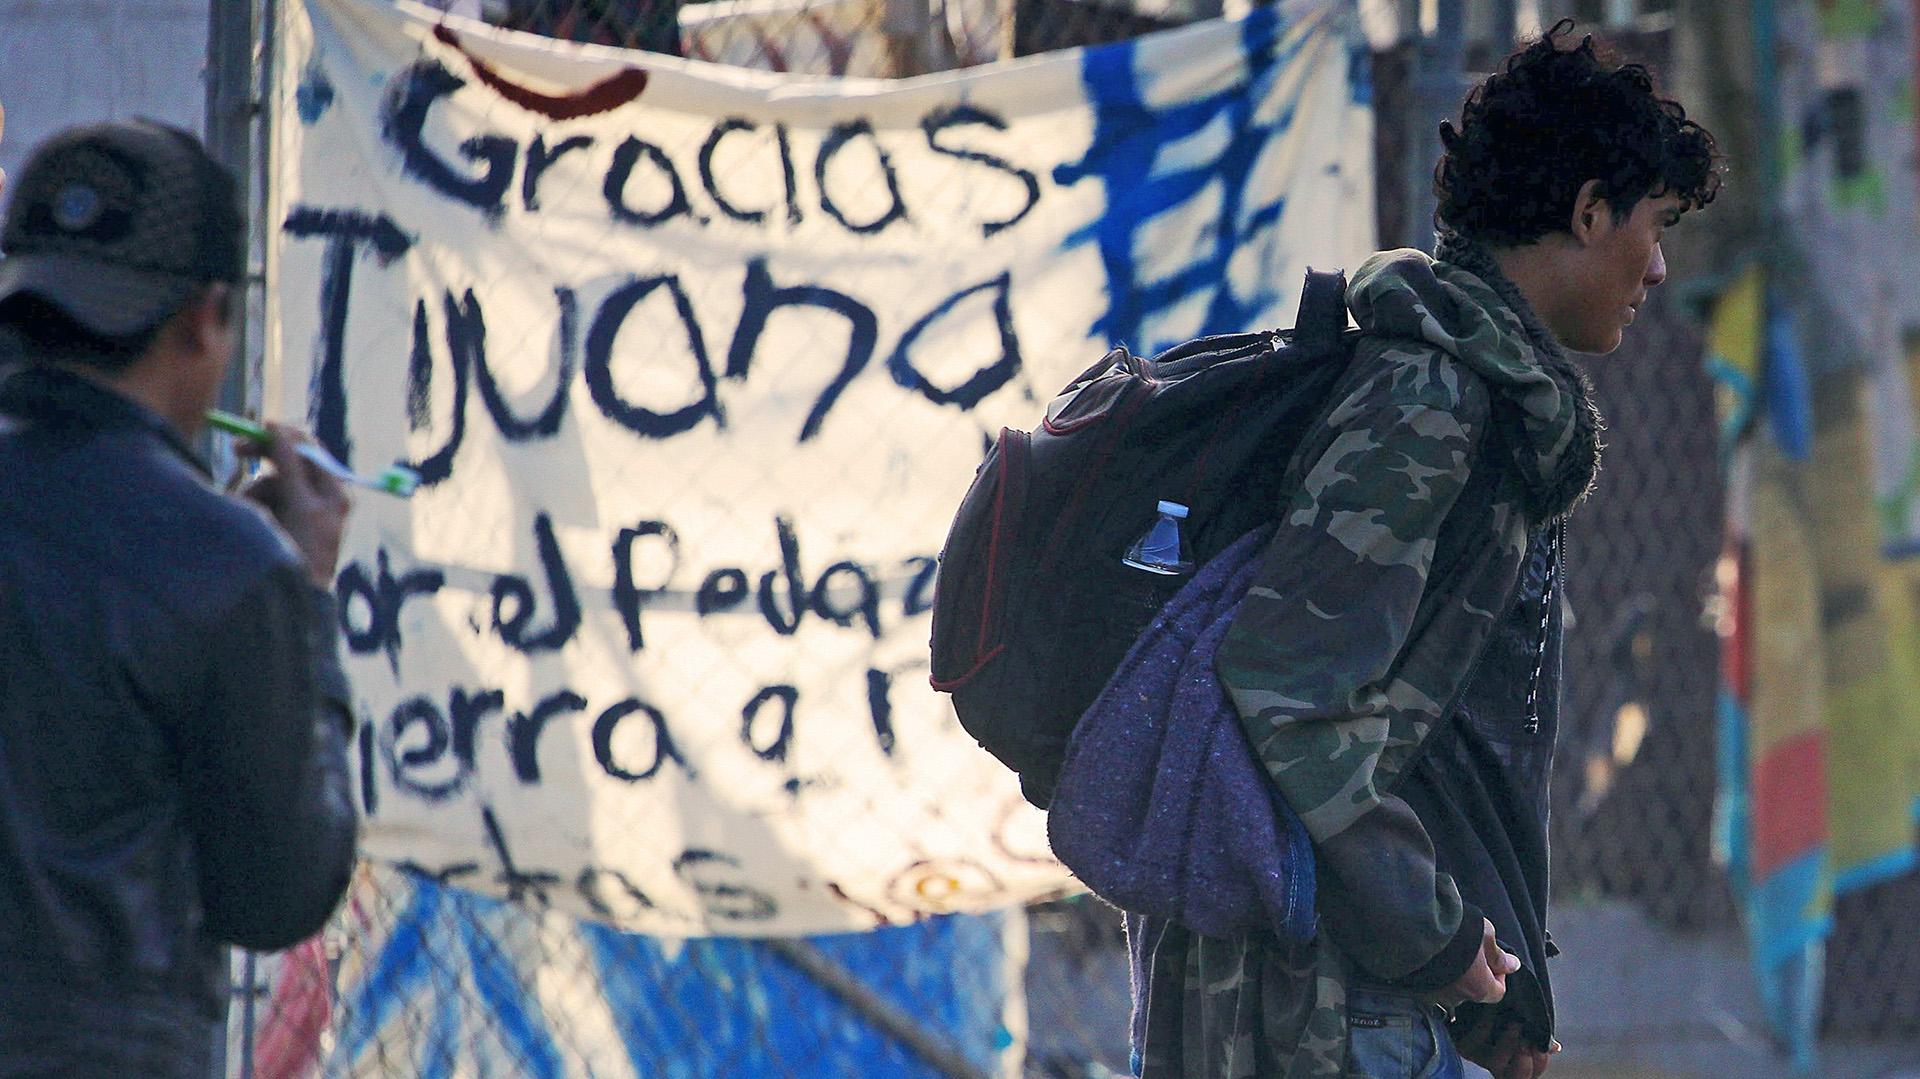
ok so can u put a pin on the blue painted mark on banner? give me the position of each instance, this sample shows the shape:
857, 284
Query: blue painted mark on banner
511, 1015
1788, 385
1875, 870
1788, 920
1132, 139
944, 971
400, 970
717, 1006
314, 96
728, 1007
1733, 804
415, 973
441, 1049
1360, 71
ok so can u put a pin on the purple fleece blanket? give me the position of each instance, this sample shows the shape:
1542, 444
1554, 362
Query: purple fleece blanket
1162, 808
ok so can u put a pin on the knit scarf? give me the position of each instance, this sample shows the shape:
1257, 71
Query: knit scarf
1552, 491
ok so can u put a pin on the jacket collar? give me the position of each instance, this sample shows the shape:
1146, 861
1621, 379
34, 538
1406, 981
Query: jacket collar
1465, 306
62, 400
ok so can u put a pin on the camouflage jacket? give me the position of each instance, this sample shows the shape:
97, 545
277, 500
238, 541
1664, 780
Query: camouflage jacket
1387, 575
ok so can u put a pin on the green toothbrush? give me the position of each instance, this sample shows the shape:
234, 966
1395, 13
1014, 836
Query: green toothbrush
397, 480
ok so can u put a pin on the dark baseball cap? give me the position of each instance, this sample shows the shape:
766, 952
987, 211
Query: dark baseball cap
117, 225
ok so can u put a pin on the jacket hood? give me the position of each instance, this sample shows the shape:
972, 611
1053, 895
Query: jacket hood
1463, 305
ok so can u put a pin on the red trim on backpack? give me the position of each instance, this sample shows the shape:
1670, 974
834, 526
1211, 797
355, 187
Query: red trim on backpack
1049, 427
1086, 382
955, 683
1013, 465
993, 544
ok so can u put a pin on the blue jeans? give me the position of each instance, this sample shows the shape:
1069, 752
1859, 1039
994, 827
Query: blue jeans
1397, 1037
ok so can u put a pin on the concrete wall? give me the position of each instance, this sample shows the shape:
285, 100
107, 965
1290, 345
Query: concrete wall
64, 62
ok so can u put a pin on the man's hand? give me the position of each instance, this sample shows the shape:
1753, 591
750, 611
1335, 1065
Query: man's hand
310, 504
1485, 982
1495, 1044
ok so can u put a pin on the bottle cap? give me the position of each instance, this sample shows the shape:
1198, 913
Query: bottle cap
1173, 509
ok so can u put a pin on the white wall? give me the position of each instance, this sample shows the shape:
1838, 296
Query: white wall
64, 62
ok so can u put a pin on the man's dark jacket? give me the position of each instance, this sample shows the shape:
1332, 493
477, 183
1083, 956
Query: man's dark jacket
173, 724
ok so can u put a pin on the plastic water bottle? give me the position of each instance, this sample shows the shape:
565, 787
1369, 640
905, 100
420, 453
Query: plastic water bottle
1162, 548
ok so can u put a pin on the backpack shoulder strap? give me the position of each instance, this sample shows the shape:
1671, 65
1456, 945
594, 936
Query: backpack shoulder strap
1323, 309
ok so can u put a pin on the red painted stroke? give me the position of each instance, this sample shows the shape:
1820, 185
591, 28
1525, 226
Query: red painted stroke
604, 96
302, 1008
1789, 801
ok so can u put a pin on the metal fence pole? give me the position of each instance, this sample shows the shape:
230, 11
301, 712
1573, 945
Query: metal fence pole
248, 1015
231, 108
1436, 83
236, 41
229, 78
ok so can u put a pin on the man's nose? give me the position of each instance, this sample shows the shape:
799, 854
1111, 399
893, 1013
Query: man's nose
1656, 267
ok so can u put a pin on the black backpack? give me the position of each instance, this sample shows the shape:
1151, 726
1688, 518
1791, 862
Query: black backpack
1032, 608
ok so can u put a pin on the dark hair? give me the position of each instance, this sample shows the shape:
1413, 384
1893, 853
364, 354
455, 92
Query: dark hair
38, 330
1532, 134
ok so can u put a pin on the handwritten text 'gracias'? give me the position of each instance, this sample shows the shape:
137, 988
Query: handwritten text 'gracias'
350, 233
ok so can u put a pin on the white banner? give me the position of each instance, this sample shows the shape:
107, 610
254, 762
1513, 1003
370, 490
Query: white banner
696, 363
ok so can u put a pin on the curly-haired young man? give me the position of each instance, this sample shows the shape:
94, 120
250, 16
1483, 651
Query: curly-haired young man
1396, 663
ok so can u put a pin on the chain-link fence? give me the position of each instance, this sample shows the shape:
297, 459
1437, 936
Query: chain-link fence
843, 37
418, 976
1633, 784
442, 980
439, 978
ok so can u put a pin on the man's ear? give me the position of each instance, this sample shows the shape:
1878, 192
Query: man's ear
212, 312
218, 295
1591, 213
